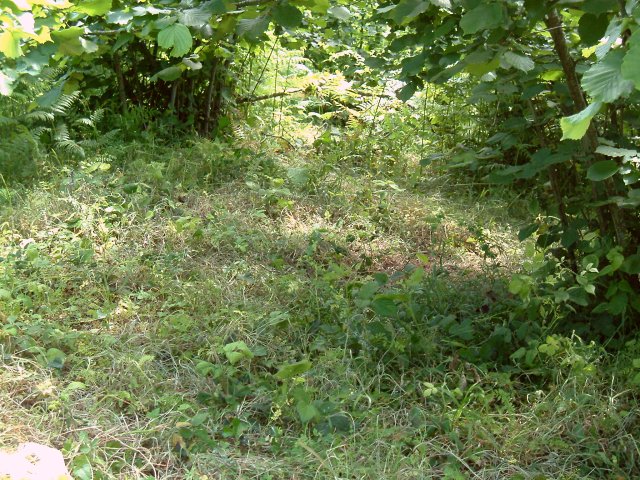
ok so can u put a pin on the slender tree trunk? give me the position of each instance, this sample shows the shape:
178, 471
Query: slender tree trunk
174, 94
590, 141
209, 100
554, 180
122, 91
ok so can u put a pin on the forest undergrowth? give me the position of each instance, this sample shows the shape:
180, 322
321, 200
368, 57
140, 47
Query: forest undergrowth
271, 309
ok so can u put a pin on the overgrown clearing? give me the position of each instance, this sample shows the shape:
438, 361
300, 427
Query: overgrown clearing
292, 321
320, 239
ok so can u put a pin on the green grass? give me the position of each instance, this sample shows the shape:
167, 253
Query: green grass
121, 286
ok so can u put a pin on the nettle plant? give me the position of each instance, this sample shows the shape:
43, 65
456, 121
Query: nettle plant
557, 83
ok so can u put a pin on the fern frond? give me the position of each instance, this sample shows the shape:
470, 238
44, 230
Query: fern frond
238, 132
71, 148
87, 122
61, 133
65, 102
109, 137
38, 116
7, 122
37, 132
353, 123
97, 116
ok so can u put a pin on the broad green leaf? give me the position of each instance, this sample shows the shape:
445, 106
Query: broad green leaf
579, 296
481, 62
195, 17
193, 65
199, 418
6, 82
88, 45
552, 75
75, 386
442, 3
50, 97
602, 170
480, 69
407, 10
406, 92
140, 11
592, 28
368, 290
479, 56
413, 65
485, 16
614, 30
306, 411
340, 12
291, 370
535, 9
575, 126
253, 28
236, 352
629, 175
169, 74
205, 368
55, 358
319, 6
386, 9
631, 265
375, 62
600, 6
615, 262
618, 303
527, 231
10, 44
616, 152
520, 285
631, 61
68, 41
340, 422
119, 17
540, 161
519, 61
604, 81
463, 330
299, 176
219, 7
177, 37
286, 15
34, 61
81, 468
93, 7
384, 306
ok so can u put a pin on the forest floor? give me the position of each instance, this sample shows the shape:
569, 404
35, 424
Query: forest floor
237, 313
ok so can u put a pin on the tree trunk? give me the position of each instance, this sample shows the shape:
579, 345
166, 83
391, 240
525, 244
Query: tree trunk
590, 140
208, 109
122, 91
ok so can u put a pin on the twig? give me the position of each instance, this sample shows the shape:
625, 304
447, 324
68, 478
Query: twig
259, 98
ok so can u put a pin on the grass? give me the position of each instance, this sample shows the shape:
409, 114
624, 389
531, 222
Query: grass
257, 312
